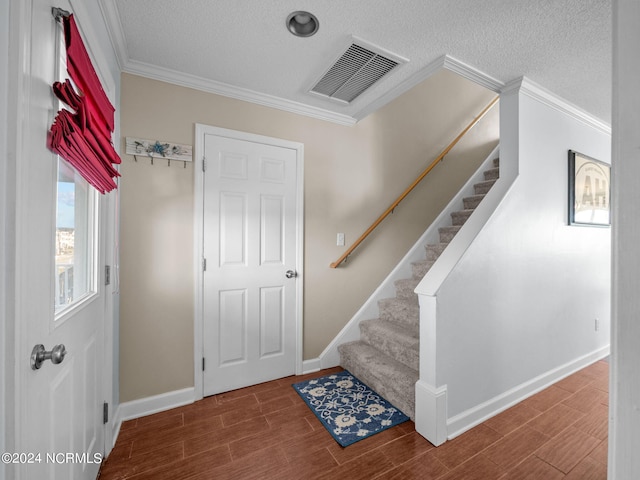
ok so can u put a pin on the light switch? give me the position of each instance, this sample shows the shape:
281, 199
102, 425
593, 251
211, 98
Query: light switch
340, 240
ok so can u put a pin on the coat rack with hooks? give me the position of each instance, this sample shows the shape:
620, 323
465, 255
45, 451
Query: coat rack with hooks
159, 149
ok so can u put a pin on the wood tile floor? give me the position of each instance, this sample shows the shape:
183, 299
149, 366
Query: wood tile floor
267, 432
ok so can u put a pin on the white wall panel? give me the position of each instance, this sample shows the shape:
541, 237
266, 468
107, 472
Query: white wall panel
523, 299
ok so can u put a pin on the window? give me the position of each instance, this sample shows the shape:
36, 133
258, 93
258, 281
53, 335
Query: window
75, 233
74, 239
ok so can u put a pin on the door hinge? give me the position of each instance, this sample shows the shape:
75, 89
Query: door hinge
107, 274
204, 264
204, 164
105, 412
203, 364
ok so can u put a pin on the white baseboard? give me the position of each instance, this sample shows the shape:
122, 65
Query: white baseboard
149, 405
474, 416
311, 365
431, 412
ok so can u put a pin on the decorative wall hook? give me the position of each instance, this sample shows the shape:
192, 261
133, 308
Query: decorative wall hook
158, 149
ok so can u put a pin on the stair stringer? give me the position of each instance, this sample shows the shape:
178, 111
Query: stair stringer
351, 331
431, 390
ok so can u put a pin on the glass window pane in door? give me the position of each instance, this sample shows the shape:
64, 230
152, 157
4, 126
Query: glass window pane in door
74, 238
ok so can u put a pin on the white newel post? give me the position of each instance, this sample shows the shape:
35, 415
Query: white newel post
431, 397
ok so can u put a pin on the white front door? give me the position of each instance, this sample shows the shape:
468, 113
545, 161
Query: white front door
251, 283
59, 288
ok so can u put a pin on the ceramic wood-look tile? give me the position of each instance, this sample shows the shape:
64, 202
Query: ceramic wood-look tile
574, 382
267, 432
422, 467
281, 403
601, 384
187, 467
588, 469
268, 463
305, 445
596, 423
238, 416
601, 452
452, 454
406, 447
567, 449
587, 399
363, 467
597, 370
223, 436
344, 455
313, 466
533, 468
293, 425
233, 395
478, 468
142, 463
251, 444
512, 418
556, 419
547, 398
477, 439
274, 394
515, 447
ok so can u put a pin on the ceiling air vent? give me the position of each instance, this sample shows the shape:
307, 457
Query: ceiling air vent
356, 70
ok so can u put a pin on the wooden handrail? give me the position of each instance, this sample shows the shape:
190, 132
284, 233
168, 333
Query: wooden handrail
413, 185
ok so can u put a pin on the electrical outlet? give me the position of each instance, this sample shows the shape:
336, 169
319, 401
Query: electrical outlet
340, 240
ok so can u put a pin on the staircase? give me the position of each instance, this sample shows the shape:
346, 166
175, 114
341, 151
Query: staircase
387, 356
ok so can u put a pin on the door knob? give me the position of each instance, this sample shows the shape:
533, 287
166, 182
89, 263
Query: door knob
39, 355
291, 274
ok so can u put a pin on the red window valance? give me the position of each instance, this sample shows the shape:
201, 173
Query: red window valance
83, 138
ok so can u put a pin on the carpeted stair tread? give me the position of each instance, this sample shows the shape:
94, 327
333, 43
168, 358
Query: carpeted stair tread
400, 310
460, 217
397, 342
434, 250
405, 288
470, 203
447, 233
386, 376
483, 187
420, 268
492, 174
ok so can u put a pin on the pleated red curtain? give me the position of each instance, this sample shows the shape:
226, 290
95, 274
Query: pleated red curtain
82, 135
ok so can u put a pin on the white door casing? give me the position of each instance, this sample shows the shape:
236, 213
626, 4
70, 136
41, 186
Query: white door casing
59, 430
249, 222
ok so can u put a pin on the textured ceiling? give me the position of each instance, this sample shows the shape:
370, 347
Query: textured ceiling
242, 47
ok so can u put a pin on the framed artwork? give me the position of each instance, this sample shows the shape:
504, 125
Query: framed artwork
589, 191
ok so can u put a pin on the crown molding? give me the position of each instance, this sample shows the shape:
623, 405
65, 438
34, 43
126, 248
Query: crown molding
445, 61
472, 74
401, 88
522, 84
114, 29
127, 65
544, 96
226, 90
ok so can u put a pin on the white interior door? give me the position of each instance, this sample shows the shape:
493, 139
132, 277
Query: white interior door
59, 288
250, 243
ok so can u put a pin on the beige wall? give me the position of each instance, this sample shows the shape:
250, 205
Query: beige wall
352, 174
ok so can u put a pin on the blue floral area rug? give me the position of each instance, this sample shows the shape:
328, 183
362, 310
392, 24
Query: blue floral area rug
348, 409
